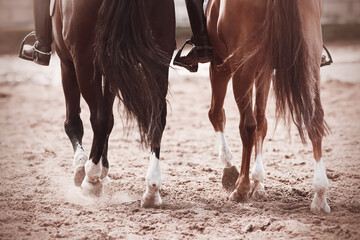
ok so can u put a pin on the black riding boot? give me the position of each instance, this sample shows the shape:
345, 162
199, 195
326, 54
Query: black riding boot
201, 51
40, 52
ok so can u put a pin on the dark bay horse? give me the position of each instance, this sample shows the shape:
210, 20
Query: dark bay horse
253, 42
112, 48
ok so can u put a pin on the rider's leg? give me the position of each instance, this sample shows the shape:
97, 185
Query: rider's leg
197, 22
40, 52
201, 52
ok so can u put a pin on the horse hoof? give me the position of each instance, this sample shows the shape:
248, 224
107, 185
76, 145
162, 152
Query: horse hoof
79, 175
236, 197
319, 205
79, 161
151, 201
92, 189
230, 175
258, 193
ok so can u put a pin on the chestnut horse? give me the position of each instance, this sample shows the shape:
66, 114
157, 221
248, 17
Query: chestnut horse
253, 42
112, 48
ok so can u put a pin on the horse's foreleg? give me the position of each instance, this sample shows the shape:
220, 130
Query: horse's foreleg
73, 124
225, 155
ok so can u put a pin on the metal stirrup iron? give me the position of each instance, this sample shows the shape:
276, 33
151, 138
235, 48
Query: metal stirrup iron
31, 34
323, 60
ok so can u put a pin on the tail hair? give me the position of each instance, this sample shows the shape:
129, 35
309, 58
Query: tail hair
132, 64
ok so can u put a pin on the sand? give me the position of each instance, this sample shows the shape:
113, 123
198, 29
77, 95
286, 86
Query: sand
38, 199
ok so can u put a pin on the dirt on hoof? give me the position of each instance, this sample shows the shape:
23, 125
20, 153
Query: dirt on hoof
79, 175
90, 189
229, 177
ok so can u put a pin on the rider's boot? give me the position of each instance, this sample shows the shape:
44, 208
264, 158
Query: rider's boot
201, 51
40, 52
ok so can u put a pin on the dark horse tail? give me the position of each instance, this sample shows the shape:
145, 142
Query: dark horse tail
132, 64
280, 45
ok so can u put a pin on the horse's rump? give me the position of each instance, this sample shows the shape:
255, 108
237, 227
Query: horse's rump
281, 45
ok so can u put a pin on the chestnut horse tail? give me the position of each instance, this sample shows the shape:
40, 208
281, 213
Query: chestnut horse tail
132, 64
280, 45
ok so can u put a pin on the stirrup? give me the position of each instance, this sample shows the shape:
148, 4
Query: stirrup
21, 55
197, 54
33, 54
179, 60
325, 62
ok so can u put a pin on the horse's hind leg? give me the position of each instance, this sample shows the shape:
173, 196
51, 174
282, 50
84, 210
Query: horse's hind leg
151, 197
242, 86
320, 181
90, 85
108, 105
219, 81
258, 172
73, 124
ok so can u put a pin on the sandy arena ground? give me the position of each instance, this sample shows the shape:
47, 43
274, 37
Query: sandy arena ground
39, 201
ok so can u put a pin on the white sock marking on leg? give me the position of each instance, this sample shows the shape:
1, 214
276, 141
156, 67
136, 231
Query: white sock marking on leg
80, 157
151, 196
258, 172
153, 176
320, 182
225, 154
93, 172
320, 185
